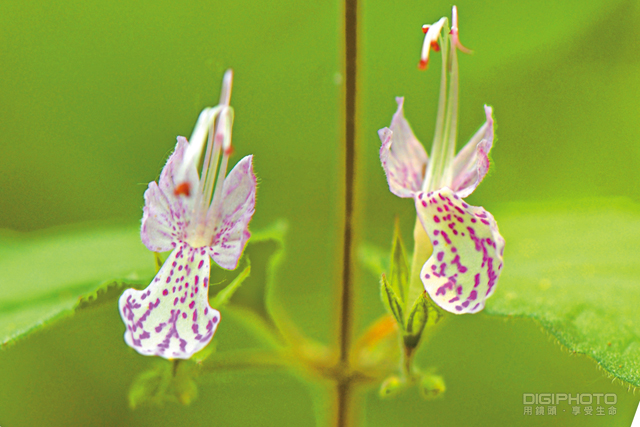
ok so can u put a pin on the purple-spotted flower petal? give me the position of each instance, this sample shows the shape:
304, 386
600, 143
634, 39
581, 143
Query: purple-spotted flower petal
172, 317
164, 214
238, 200
468, 249
198, 216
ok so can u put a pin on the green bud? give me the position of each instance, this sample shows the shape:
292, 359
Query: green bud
423, 313
391, 301
418, 318
166, 381
432, 387
391, 387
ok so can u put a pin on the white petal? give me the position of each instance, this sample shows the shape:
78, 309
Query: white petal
237, 207
403, 157
172, 318
467, 251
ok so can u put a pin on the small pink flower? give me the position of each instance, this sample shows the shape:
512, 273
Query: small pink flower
198, 218
467, 246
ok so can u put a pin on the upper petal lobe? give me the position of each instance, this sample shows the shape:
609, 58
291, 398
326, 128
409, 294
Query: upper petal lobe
403, 157
237, 208
166, 210
472, 162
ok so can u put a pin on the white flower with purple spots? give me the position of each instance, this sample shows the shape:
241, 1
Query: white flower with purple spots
468, 249
198, 217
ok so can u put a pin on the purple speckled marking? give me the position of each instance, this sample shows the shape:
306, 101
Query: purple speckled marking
168, 325
472, 247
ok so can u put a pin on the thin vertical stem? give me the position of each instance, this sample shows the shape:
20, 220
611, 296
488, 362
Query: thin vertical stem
350, 136
346, 298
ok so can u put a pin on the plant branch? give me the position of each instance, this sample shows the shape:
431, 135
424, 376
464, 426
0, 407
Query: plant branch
343, 384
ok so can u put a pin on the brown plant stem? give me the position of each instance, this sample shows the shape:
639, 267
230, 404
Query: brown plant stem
343, 383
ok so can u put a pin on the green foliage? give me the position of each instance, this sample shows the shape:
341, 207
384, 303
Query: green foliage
222, 298
166, 381
266, 250
85, 95
398, 269
46, 275
394, 291
423, 314
573, 266
391, 301
71, 265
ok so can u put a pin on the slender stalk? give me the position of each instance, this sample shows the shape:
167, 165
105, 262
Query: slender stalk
343, 384
422, 251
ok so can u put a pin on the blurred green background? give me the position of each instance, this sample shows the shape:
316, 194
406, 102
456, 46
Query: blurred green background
93, 95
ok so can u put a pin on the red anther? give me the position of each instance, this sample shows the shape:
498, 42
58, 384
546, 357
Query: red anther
184, 189
423, 64
425, 28
228, 151
435, 46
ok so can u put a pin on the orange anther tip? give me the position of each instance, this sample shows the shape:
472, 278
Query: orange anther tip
435, 46
229, 150
425, 28
184, 189
423, 64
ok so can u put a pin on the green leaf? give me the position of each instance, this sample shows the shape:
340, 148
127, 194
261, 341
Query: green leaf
52, 273
223, 297
45, 274
574, 267
266, 249
391, 301
399, 271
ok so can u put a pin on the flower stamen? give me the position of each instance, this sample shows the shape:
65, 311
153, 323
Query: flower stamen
217, 123
454, 32
432, 33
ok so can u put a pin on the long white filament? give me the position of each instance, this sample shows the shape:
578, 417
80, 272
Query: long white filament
216, 123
